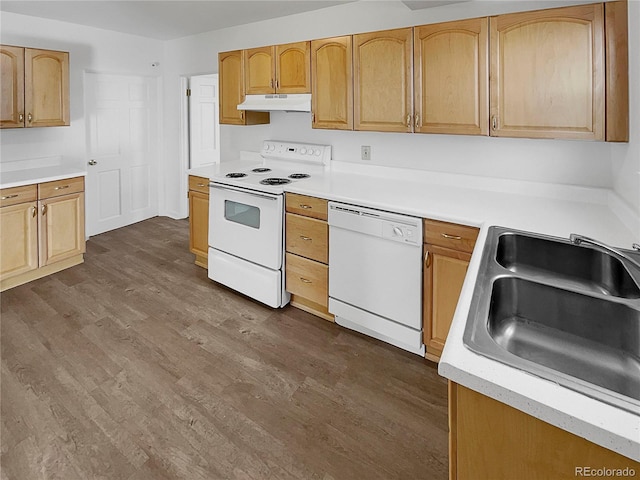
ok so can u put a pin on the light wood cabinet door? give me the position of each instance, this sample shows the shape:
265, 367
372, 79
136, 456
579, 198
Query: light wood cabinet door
332, 84
444, 273
61, 228
307, 279
18, 239
451, 92
259, 70
547, 73
231, 91
46, 88
12, 84
293, 67
199, 226
383, 69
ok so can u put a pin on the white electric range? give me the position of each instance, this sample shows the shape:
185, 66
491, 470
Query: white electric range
246, 219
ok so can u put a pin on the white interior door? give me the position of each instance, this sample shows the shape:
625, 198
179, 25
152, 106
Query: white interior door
204, 129
122, 141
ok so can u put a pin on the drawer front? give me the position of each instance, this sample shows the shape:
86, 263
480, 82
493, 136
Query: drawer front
199, 184
307, 206
307, 279
307, 237
450, 235
60, 187
16, 195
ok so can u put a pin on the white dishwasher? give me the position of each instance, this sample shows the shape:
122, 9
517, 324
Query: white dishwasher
375, 274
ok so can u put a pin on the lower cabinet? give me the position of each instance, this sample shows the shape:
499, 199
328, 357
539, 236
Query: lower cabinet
307, 254
493, 441
448, 248
199, 219
41, 230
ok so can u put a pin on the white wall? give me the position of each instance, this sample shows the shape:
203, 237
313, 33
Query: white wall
556, 161
90, 49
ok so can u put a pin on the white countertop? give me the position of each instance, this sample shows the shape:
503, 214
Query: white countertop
17, 178
549, 209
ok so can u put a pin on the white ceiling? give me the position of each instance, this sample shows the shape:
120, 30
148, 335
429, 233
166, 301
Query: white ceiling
163, 20
170, 19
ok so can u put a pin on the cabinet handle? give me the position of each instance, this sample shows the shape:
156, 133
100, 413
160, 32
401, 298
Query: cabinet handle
306, 207
241, 114
451, 237
44, 209
306, 239
494, 123
277, 84
29, 117
9, 196
62, 187
417, 124
313, 117
271, 83
202, 185
304, 280
427, 259
35, 212
21, 118
408, 120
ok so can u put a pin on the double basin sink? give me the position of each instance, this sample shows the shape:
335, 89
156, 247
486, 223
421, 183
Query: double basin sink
564, 312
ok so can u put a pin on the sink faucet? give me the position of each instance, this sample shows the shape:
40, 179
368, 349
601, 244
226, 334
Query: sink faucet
579, 239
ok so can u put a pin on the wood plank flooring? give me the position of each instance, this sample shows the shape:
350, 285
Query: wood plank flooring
135, 366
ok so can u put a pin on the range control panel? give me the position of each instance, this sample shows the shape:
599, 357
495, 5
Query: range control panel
300, 152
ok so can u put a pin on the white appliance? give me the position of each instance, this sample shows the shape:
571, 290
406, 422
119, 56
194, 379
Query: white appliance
246, 219
375, 274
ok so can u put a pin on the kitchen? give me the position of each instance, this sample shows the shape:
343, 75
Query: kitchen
559, 162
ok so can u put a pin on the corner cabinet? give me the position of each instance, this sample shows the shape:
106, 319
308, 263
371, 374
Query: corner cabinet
448, 249
199, 219
332, 86
41, 230
278, 69
382, 79
451, 92
491, 440
231, 85
548, 73
307, 254
35, 87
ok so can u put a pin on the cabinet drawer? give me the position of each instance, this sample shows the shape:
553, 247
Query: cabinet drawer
60, 187
199, 184
450, 235
307, 206
307, 237
16, 195
307, 279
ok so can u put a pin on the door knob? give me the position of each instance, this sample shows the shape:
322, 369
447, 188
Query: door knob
92, 162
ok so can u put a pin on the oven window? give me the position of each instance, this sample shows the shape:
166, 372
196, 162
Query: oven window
243, 214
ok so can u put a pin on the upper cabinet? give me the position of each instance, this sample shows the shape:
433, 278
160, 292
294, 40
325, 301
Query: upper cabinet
450, 77
35, 87
231, 85
382, 64
548, 74
278, 69
332, 88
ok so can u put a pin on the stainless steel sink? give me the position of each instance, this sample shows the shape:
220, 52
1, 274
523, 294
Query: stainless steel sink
566, 313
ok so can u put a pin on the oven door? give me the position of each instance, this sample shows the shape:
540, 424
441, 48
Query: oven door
246, 224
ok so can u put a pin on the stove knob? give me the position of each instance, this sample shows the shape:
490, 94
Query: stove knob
398, 232
303, 151
317, 151
272, 146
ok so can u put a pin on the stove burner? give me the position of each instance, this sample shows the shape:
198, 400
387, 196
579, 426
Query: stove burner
297, 176
275, 181
261, 170
235, 175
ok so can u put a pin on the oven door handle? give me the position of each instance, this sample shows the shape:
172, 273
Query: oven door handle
242, 190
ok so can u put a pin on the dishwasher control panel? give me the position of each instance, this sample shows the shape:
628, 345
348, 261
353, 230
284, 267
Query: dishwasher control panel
401, 232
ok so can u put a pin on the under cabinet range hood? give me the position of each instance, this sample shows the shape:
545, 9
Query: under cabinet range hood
298, 102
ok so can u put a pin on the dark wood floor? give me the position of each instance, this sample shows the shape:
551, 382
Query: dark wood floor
135, 366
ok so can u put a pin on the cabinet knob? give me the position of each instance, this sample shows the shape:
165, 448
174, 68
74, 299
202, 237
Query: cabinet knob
34, 212
44, 209
417, 124
29, 117
21, 117
427, 259
494, 123
409, 120
92, 162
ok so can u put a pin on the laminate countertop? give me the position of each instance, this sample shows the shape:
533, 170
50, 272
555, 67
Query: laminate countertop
556, 210
30, 176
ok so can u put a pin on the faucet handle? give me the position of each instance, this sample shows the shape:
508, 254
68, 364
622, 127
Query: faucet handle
636, 246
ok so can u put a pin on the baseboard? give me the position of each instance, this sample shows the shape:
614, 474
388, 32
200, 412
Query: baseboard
31, 275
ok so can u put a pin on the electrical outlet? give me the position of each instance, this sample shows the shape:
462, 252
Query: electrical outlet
365, 152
